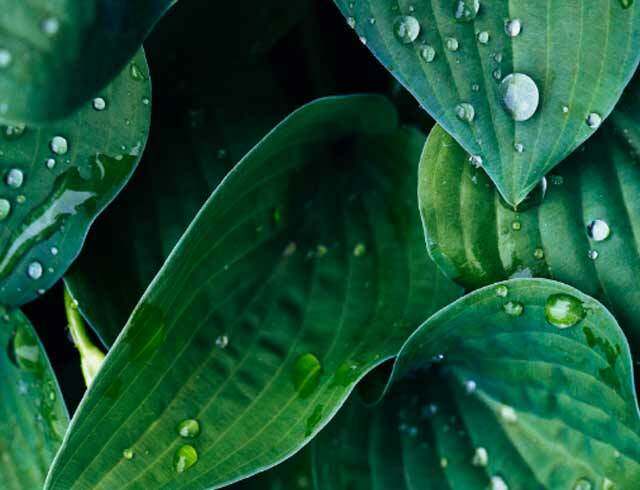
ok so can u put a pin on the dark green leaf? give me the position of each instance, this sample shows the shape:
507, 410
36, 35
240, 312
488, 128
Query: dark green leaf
477, 239
55, 56
56, 179
304, 269
33, 417
579, 54
514, 402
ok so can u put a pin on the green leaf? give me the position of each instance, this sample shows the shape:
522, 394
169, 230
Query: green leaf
580, 55
304, 269
485, 399
55, 56
477, 239
33, 418
56, 179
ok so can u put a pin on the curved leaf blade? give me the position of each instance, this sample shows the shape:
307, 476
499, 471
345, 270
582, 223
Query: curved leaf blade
265, 306
55, 56
516, 402
33, 417
579, 54
56, 179
478, 240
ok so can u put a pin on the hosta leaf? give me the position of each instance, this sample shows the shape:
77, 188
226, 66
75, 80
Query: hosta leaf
55, 56
576, 57
55, 180
478, 240
304, 269
33, 417
487, 398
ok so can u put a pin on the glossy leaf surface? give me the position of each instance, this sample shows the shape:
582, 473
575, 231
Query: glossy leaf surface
304, 269
485, 398
573, 59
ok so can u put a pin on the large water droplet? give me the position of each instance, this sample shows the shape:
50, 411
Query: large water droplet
34, 271
189, 428
59, 145
520, 96
185, 457
5, 209
406, 28
14, 178
598, 230
307, 370
466, 10
594, 120
513, 27
564, 311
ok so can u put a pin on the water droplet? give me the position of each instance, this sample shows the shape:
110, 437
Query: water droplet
593, 254
516, 226
594, 120
452, 44
185, 457
5, 58
519, 147
54, 251
59, 145
563, 310
476, 161
538, 253
14, 131
483, 37
466, 10
14, 178
598, 230
582, 484
608, 484
465, 112
502, 291
222, 341
351, 22
406, 28
128, 454
35, 270
99, 104
427, 53
513, 27
50, 163
480, 457
520, 96
498, 483
307, 370
50, 26
5, 209
444, 462
189, 428
626, 3
513, 308
470, 386
359, 250
508, 414
21, 199
136, 73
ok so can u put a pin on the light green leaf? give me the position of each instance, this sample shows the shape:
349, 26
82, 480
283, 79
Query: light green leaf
304, 269
579, 54
55, 56
485, 399
477, 239
55, 180
33, 418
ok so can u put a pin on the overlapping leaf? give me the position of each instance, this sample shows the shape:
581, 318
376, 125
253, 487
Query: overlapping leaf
304, 269
55, 56
492, 393
578, 54
55, 180
33, 417
478, 240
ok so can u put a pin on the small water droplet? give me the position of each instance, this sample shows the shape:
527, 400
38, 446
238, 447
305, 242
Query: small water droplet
502, 291
476, 161
128, 454
519, 147
5, 58
598, 230
608, 484
508, 414
444, 462
54, 251
50, 26
466, 10
406, 29
513, 27
50, 163
538, 253
14, 131
565, 109
480, 457
5, 209
452, 44
185, 457
564, 311
582, 484
189, 428
625, 5
35, 270
465, 112
222, 341
498, 483
516, 226
136, 73
427, 53
594, 120
351, 22
359, 250
99, 104
14, 178
593, 254
520, 96
470, 386
483, 37
513, 308
59, 145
